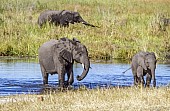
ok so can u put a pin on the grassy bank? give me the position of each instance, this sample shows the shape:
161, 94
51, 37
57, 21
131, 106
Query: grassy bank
116, 99
126, 26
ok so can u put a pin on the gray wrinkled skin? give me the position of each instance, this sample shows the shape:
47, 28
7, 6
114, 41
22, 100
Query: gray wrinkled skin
144, 64
46, 17
61, 18
58, 56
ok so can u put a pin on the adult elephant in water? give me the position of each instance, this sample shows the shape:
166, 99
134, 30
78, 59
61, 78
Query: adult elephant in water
62, 18
144, 63
57, 56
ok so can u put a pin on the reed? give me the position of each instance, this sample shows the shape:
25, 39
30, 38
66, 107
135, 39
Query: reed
126, 27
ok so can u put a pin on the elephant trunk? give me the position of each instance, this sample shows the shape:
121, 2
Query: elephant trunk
85, 23
86, 66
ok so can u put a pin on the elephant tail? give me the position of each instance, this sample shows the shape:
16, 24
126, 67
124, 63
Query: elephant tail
126, 70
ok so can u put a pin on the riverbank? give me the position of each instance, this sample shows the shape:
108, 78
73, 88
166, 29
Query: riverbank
126, 27
113, 99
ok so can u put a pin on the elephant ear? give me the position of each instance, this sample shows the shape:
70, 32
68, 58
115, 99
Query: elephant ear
76, 14
141, 61
67, 16
75, 41
66, 55
153, 54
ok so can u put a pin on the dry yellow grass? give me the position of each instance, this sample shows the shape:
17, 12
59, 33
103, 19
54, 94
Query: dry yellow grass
156, 1
114, 99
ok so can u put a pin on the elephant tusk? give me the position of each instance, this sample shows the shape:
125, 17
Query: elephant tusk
83, 22
83, 66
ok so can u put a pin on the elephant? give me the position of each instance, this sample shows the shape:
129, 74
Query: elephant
164, 22
144, 63
61, 18
58, 56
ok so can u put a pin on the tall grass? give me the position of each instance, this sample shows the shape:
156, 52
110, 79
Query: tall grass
116, 99
126, 27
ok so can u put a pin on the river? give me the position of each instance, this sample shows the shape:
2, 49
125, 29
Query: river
23, 76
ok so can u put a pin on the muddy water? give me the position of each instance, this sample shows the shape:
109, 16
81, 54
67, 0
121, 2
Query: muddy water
22, 76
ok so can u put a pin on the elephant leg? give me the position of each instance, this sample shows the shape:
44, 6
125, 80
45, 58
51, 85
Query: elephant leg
140, 75
64, 23
134, 71
148, 80
154, 83
61, 77
141, 81
45, 78
45, 75
135, 80
71, 78
70, 75
61, 80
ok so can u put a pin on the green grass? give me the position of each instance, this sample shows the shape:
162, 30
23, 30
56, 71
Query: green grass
126, 27
114, 99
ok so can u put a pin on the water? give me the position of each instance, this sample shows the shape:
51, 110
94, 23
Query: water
23, 76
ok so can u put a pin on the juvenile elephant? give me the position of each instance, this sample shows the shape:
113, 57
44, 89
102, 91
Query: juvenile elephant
164, 22
57, 57
144, 63
62, 18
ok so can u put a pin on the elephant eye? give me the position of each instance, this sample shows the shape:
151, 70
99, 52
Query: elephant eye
80, 53
76, 18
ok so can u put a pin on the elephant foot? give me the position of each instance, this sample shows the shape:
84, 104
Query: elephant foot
62, 89
154, 83
66, 84
147, 84
70, 87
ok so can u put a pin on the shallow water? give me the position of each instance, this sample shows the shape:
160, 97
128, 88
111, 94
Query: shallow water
22, 76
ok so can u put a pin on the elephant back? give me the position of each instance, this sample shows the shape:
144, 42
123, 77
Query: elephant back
46, 15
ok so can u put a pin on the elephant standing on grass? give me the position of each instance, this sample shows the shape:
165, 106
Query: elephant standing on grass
144, 63
62, 18
57, 56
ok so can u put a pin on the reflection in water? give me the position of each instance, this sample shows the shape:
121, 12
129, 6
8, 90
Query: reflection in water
18, 76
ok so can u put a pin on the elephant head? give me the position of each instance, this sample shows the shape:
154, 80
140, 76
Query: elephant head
65, 17
79, 19
148, 61
72, 17
79, 53
141, 60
